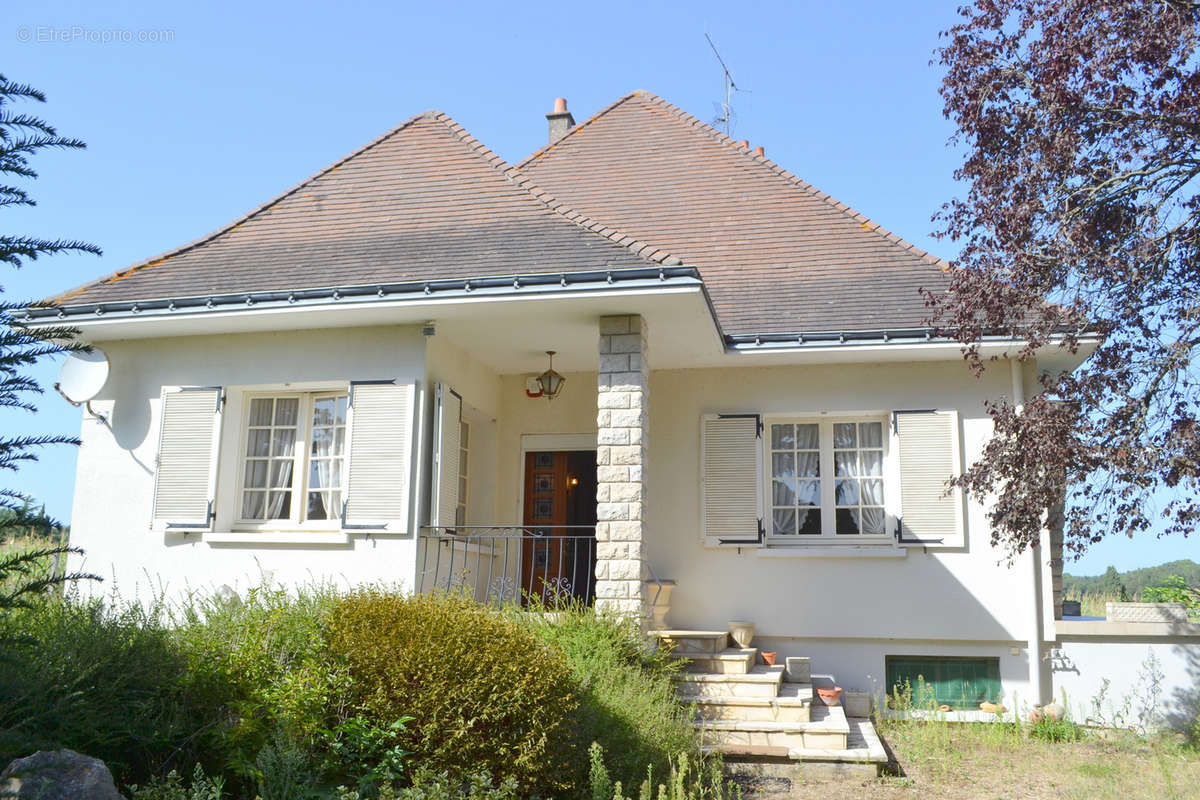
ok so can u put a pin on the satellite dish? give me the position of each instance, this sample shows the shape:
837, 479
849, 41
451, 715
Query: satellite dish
82, 375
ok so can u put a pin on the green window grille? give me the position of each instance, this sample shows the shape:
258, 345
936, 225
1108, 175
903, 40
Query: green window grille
941, 680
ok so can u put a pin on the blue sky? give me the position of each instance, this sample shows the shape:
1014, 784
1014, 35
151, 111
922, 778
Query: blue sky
195, 113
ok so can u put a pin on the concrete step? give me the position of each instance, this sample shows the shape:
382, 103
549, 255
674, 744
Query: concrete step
827, 730
692, 643
758, 682
765, 771
732, 661
792, 704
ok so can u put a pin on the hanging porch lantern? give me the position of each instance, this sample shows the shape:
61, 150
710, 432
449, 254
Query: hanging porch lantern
550, 381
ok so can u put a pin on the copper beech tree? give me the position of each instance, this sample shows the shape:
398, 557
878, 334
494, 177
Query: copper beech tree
1080, 123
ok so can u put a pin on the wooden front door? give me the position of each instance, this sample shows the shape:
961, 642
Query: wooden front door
559, 549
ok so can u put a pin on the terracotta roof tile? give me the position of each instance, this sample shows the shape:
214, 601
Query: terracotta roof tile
422, 202
776, 254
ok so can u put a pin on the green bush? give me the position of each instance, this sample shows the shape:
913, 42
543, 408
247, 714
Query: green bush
627, 701
102, 679
684, 779
1055, 730
171, 787
428, 785
485, 694
263, 659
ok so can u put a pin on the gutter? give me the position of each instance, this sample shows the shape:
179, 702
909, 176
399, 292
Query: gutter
504, 286
814, 340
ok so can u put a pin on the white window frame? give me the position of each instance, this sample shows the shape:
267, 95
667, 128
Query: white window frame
296, 520
463, 510
828, 535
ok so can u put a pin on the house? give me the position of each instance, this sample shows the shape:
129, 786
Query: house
341, 385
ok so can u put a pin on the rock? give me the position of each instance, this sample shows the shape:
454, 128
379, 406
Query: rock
991, 708
58, 775
1035, 716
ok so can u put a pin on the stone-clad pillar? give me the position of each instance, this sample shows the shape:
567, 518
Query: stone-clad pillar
622, 401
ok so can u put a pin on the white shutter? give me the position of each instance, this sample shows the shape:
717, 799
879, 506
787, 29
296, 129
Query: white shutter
930, 454
186, 475
381, 434
446, 433
730, 479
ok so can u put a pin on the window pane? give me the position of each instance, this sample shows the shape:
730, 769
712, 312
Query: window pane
259, 444
810, 522
872, 493
343, 403
279, 506
317, 508
871, 434
283, 443
260, 411
808, 465
872, 462
783, 465
808, 493
335, 474
808, 437
873, 521
785, 521
339, 442
254, 505
847, 521
286, 410
847, 493
322, 439
843, 435
256, 474
845, 463
782, 437
325, 411
783, 493
281, 474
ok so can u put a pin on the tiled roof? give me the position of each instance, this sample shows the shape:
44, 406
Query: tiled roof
425, 201
776, 254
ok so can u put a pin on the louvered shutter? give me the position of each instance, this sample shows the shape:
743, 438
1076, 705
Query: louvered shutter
446, 434
381, 434
730, 479
930, 454
185, 479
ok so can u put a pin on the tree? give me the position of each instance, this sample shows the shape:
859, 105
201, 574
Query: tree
21, 137
1111, 584
1080, 124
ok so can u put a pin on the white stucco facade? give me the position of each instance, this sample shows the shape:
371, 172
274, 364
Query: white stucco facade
848, 607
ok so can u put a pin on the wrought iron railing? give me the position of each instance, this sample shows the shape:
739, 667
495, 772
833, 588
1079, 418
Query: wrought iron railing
542, 564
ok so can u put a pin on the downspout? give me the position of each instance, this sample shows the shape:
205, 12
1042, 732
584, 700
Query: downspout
1036, 622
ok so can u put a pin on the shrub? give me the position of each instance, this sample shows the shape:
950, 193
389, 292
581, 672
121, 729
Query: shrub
171, 788
440, 786
682, 781
483, 691
1055, 730
627, 702
102, 679
263, 659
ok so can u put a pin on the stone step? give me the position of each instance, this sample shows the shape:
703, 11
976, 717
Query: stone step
827, 730
758, 682
692, 643
732, 661
792, 704
763, 771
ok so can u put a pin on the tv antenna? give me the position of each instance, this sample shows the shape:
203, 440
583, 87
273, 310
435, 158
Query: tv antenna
727, 115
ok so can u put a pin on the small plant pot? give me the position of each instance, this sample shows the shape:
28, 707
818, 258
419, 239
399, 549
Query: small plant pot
1053, 711
830, 695
857, 704
768, 657
799, 669
742, 632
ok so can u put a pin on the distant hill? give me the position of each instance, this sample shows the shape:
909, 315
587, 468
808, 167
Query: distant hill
1134, 580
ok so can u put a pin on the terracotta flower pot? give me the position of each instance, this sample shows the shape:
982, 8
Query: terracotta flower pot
768, 657
830, 695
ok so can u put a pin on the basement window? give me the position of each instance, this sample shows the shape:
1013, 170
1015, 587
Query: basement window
927, 682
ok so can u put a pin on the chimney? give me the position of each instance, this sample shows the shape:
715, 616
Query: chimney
760, 152
560, 120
